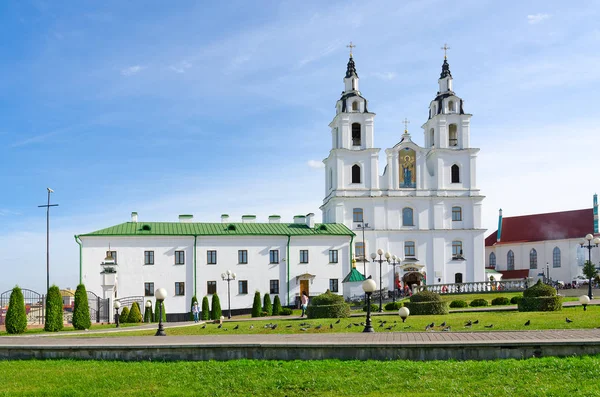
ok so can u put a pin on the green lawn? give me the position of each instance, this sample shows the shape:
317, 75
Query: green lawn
573, 376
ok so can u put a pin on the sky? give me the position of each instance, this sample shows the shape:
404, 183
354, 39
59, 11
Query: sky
170, 108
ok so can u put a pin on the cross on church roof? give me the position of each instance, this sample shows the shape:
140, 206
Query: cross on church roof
406, 122
445, 48
351, 46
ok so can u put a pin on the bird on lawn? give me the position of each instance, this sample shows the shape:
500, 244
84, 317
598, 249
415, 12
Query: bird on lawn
204, 326
427, 327
220, 326
338, 321
527, 323
389, 328
349, 325
381, 325
446, 329
443, 324
330, 326
236, 327
468, 323
251, 326
489, 326
303, 329
476, 322
355, 324
431, 325
568, 320
274, 326
289, 326
318, 326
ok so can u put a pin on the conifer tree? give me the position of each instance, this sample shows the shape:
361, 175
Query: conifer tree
135, 315
124, 316
16, 316
277, 306
157, 312
215, 313
54, 310
267, 306
205, 309
256, 307
148, 313
81, 310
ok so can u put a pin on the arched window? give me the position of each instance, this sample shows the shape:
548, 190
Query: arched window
357, 215
556, 257
455, 173
457, 251
510, 260
432, 136
356, 173
355, 106
492, 260
533, 259
450, 106
456, 214
458, 278
409, 248
356, 141
407, 217
452, 135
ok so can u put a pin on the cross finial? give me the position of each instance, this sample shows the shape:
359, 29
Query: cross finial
351, 46
406, 122
445, 48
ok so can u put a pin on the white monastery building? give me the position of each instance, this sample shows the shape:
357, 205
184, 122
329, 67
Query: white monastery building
424, 209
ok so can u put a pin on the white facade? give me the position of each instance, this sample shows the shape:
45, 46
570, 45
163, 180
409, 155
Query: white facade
436, 183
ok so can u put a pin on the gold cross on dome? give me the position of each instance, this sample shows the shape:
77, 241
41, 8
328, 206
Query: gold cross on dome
445, 48
406, 122
351, 46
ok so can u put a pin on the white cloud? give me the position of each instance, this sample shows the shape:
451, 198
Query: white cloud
537, 18
131, 70
315, 164
385, 76
181, 67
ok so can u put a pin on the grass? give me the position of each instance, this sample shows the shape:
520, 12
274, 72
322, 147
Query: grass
532, 377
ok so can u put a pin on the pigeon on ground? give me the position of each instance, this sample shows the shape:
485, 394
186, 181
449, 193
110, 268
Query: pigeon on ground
446, 329
389, 328
274, 326
381, 325
204, 326
303, 329
427, 327
476, 322
251, 326
431, 325
289, 326
318, 326
362, 323
468, 323
443, 324
220, 326
355, 324
527, 323
338, 321
330, 326
568, 320
489, 326
349, 325
236, 327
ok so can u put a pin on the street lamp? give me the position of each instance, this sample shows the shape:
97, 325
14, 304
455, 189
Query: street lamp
591, 243
394, 263
584, 300
380, 260
117, 306
369, 286
403, 312
48, 236
547, 273
228, 276
146, 314
363, 226
160, 294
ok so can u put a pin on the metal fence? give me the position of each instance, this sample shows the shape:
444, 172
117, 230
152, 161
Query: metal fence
34, 306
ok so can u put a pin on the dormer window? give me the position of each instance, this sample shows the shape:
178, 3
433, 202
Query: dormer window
356, 138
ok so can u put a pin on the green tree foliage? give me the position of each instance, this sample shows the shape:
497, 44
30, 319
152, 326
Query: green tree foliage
276, 306
256, 307
267, 306
194, 300
540, 298
135, 315
589, 270
328, 305
215, 313
157, 313
81, 310
54, 310
205, 314
148, 313
124, 316
16, 316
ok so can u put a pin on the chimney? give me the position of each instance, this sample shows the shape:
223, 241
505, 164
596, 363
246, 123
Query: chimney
274, 219
595, 214
248, 218
299, 219
224, 218
134, 217
186, 218
310, 220
499, 232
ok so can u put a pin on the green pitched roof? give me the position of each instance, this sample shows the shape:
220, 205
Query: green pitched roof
221, 229
353, 276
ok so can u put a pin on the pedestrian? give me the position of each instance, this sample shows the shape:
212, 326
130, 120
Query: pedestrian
304, 302
195, 311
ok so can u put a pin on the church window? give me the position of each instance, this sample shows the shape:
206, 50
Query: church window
356, 141
211, 287
148, 257
458, 278
455, 173
243, 287
556, 257
180, 257
211, 257
510, 260
357, 215
303, 256
179, 288
456, 214
333, 285
356, 173
355, 106
452, 135
274, 286
148, 289
450, 106
409, 248
273, 256
457, 249
432, 137
533, 259
492, 260
359, 251
243, 257
407, 217
333, 256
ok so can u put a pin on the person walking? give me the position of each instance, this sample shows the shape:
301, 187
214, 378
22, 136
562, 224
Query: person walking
304, 302
195, 311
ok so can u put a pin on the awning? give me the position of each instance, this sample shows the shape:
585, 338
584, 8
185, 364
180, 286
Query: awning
354, 276
305, 276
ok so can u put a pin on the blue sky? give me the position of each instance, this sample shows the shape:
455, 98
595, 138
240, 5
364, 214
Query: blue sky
208, 109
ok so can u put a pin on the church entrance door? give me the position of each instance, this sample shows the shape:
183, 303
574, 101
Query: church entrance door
412, 278
304, 287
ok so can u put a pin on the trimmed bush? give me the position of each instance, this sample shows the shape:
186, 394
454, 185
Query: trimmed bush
515, 300
425, 296
124, 316
205, 313
215, 311
540, 298
328, 305
81, 309
54, 310
393, 306
135, 315
276, 306
539, 289
458, 303
286, 311
478, 302
157, 312
16, 316
374, 308
267, 306
426, 302
192, 307
501, 300
256, 307
148, 313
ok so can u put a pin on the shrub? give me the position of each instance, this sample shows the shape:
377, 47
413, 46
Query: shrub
124, 316
157, 312
205, 314
215, 312
54, 310
458, 303
393, 306
328, 305
267, 306
515, 299
135, 315
286, 311
540, 298
264, 314
81, 309
479, 302
501, 300
192, 307
148, 313
426, 302
256, 308
425, 296
276, 306
539, 289
374, 308
16, 316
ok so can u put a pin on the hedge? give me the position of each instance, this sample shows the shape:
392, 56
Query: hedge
479, 302
286, 311
276, 306
135, 315
501, 300
267, 306
205, 313
54, 310
374, 307
81, 309
124, 316
515, 299
148, 313
426, 302
541, 304
256, 307
458, 303
393, 306
215, 312
425, 296
539, 289
192, 307
328, 305
16, 316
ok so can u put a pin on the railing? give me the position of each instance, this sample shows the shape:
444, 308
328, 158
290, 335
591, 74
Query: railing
476, 287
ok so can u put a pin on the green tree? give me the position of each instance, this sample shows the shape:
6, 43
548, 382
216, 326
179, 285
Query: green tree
205, 309
156, 312
267, 306
135, 315
256, 308
54, 310
194, 300
215, 313
124, 316
16, 316
81, 310
589, 270
277, 306
148, 313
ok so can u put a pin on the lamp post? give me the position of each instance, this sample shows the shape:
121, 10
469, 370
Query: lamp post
584, 300
394, 263
403, 312
117, 305
148, 306
369, 286
160, 294
380, 260
228, 276
48, 236
363, 226
547, 273
591, 243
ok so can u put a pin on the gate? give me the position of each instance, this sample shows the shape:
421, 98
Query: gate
99, 308
128, 301
34, 306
